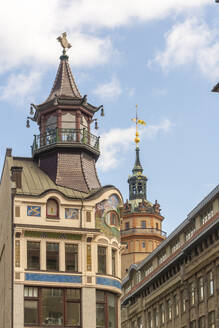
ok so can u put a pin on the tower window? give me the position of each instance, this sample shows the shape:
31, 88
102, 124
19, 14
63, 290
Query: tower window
134, 189
140, 189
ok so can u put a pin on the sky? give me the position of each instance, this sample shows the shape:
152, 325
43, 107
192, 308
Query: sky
161, 55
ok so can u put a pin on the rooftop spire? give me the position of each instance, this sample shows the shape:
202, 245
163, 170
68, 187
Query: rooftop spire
64, 84
137, 182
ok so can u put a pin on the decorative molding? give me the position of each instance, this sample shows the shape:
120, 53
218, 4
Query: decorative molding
52, 277
52, 235
108, 282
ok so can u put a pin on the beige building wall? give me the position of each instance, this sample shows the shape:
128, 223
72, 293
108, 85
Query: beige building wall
5, 247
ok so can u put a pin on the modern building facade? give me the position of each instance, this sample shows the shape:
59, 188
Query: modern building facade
177, 284
141, 228
59, 228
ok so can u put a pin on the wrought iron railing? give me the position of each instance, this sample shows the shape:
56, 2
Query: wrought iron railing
65, 136
143, 230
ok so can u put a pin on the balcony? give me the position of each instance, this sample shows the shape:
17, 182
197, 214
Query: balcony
65, 137
143, 231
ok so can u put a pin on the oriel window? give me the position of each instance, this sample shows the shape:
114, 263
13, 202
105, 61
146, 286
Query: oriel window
33, 255
52, 256
71, 257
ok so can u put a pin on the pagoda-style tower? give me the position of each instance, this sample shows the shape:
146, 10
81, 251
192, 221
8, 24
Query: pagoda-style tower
141, 227
65, 149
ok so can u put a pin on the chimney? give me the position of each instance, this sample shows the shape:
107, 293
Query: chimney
8, 152
16, 175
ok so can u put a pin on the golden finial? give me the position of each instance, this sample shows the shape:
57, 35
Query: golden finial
64, 42
137, 121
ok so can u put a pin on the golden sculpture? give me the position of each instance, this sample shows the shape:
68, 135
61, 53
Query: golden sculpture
137, 121
64, 42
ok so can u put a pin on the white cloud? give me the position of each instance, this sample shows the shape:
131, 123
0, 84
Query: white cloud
19, 86
109, 91
191, 42
115, 143
28, 32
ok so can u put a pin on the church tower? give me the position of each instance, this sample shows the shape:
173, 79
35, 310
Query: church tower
141, 228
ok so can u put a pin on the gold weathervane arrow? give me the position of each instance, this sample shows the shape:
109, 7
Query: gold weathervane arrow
137, 121
64, 42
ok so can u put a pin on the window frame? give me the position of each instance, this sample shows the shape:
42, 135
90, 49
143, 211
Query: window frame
77, 255
65, 299
104, 272
33, 242
56, 215
58, 266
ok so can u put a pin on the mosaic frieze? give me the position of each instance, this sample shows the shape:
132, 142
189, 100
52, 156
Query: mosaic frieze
34, 211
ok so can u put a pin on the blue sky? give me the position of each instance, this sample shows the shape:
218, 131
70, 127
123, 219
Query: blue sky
161, 55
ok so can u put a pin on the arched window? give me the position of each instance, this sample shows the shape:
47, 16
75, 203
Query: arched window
52, 208
112, 218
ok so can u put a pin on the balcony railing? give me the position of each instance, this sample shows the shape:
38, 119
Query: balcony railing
65, 136
143, 231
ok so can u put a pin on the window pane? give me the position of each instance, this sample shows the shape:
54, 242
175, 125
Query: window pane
52, 256
73, 314
111, 310
73, 294
101, 259
52, 306
30, 312
100, 315
113, 262
71, 257
33, 255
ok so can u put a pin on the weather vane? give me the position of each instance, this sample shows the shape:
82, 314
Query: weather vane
137, 121
64, 42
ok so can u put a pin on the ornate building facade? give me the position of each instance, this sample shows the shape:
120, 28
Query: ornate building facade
59, 228
177, 284
141, 228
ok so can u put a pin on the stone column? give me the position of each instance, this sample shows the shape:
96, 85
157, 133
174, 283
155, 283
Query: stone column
43, 254
18, 306
62, 255
88, 307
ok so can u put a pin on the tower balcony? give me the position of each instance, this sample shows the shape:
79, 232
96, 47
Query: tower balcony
143, 231
68, 138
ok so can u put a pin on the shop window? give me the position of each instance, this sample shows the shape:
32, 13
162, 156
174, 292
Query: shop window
33, 255
101, 259
31, 306
71, 257
52, 256
106, 310
52, 209
52, 307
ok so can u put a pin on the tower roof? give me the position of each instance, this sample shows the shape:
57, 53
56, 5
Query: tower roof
64, 84
137, 169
